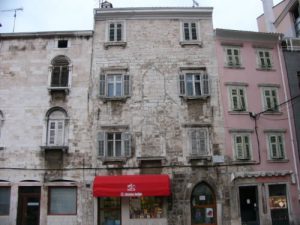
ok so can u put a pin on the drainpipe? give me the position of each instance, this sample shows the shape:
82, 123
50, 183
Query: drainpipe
289, 116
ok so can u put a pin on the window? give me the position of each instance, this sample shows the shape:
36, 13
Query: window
198, 141
114, 86
62, 43
60, 72
109, 211
194, 85
237, 98
146, 207
278, 202
270, 99
114, 144
4, 201
264, 59
233, 57
115, 31
56, 127
276, 146
242, 146
190, 31
62, 201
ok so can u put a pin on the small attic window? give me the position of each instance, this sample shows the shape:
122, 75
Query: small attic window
62, 43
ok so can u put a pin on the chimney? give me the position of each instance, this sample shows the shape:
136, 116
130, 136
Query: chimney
269, 15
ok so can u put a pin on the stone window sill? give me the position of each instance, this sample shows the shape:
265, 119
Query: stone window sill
277, 160
65, 90
204, 157
109, 44
234, 67
63, 148
120, 98
187, 43
245, 161
272, 113
203, 97
112, 160
238, 113
265, 69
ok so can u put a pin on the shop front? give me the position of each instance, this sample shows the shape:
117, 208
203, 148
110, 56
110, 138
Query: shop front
132, 199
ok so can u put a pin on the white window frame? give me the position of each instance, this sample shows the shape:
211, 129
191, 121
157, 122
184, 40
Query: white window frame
239, 98
243, 155
58, 133
273, 100
196, 138
232, 60
204, 84
105, 81
264, 62
279, 144
108, 29
103, 144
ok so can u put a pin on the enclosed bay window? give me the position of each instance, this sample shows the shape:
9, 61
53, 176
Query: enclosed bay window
114, 86
194, 85
56, 127
264, 59
60, 73
198, 141
62, 201
114, 144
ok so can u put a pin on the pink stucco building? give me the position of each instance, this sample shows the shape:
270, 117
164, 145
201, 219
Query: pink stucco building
259, 134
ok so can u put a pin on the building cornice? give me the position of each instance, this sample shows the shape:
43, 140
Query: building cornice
47, 34
240, 35
153, 13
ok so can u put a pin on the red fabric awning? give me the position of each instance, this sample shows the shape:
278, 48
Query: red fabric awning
131, 186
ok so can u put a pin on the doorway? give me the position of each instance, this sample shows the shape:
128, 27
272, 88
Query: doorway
29, 206
109, 211
203, 206
249, 205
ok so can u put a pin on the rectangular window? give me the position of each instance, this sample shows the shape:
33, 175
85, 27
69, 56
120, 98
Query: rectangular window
115, 31
114, 144
146, 207
270, 99
237, 98
233, 57
242, 146
114, 86
4, 201
56, 132
190, 31
194, 85
62, 201
60, 76
276, 146
198, 141
264, 59
109, 211
62, 43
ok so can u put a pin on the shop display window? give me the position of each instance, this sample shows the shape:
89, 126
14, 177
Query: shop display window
146, 207
110, 211
278, 204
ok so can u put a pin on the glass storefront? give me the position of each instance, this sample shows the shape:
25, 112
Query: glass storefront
278, 204
146, 207
109, 211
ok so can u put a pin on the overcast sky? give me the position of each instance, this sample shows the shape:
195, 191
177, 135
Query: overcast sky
57, 15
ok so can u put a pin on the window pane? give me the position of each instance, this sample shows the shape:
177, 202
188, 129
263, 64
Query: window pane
186, 31
194, 31
110, 211
146, 207
119, 32
4, 200
197, 89
110, 148
111, 32
119, 89
110, 89
62, 200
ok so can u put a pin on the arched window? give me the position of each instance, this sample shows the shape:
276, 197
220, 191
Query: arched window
203, 206
56, 127
60, 73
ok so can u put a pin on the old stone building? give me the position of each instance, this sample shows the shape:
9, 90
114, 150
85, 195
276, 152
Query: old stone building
44, 138
120, 125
